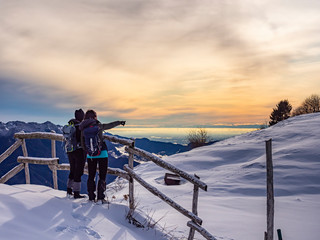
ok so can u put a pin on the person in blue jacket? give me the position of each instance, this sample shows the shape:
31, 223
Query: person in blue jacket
100, 157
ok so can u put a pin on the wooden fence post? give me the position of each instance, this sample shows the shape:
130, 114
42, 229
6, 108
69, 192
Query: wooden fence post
53, 146
131, 183
194, 207
54, 167
54, 176
270, 192
26, 165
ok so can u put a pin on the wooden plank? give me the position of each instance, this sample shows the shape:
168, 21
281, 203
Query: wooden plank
270, 192
10, 150
167, 166
40, 135
11, 173
201, 230
127, 142
113, 171
37, 160
59, 137
162, 196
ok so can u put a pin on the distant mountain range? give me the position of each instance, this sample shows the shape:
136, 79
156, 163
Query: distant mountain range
42, 148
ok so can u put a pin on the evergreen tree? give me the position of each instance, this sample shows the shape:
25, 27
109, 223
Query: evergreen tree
281, 112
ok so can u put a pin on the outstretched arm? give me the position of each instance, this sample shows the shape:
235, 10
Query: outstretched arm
106, 126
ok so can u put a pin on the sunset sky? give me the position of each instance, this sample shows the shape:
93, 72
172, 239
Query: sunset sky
157, 63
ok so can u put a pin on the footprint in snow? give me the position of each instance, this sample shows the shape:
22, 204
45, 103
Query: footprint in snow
74, 230
90, 232
80, 217
75, 205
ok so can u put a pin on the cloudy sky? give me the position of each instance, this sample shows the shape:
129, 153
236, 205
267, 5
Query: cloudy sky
157, 63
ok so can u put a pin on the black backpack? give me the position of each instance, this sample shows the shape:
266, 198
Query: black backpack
69, 134
92, 140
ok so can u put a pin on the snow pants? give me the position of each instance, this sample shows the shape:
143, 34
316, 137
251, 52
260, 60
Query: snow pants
92, 170
77, 160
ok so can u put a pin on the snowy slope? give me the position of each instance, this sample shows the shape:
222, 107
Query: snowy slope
233, 208
235, 205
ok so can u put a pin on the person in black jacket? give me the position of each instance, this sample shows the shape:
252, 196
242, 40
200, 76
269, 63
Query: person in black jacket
77, 159
90, 121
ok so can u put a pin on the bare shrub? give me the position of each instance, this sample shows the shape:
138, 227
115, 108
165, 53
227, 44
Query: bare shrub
310, 105
198, 137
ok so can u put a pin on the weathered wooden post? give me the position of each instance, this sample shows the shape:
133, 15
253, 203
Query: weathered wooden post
53, 146
131, 183
270, 192
194, 206
54, 167
26, 165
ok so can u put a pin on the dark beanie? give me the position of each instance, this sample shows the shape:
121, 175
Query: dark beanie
79, 114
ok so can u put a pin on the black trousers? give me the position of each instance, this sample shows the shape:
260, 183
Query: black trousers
92, 170
77, 160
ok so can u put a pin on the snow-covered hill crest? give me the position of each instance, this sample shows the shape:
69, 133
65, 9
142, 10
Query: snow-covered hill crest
237, 165
233, 208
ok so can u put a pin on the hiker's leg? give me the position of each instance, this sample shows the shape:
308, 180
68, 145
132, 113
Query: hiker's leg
79, 164
91, 185
103, 167
71, 173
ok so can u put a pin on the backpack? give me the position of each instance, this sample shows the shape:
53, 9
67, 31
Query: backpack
92, 140
69, 134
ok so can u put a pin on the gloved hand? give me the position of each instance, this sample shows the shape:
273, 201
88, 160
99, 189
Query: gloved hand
122, 123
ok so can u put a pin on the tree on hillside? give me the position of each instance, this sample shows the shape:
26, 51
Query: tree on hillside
198, 137
310, 105
281, 112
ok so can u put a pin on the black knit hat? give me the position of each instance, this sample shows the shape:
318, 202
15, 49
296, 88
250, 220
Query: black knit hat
79, 114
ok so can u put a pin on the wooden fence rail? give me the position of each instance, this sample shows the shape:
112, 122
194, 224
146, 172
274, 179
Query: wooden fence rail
167, 166
128, 174
162, 196
39, 135
201, 230
10, 150
11, 173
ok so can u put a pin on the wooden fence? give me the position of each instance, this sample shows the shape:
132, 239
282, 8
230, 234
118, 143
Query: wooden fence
128, 173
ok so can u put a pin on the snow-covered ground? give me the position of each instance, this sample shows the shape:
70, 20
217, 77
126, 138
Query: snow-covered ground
234, 207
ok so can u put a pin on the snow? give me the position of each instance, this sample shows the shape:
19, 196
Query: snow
234, 207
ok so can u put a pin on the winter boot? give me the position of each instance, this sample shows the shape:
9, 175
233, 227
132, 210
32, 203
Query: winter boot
77, 195
69, 191
69, 187
92, 196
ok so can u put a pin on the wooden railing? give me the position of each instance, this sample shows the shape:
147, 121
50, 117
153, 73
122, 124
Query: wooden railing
128, 174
